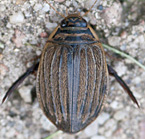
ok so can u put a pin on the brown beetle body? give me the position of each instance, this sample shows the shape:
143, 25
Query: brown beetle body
72, 79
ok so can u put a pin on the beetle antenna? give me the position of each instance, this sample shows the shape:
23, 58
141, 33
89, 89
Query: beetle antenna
66, 11
96, 1
55, 10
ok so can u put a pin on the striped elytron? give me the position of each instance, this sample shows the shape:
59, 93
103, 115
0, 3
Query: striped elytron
72, 79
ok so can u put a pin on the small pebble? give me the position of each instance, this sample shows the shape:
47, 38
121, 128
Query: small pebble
120, 115
25, 93
114, 41
59, 0
142, 130
11, 133
103, 117
98, 137
110, 127
37, 7
116, 105
120, 68
3, 70
45, 7
92, 129
17, 18
51, 26
100, 7
2, 8
113, 15
2, 45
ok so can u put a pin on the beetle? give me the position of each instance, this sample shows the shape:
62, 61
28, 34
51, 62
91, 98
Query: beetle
73, 76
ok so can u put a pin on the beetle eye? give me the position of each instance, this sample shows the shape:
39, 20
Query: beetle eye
64, 23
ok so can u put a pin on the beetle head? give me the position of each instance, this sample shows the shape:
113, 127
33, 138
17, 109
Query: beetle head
73, 20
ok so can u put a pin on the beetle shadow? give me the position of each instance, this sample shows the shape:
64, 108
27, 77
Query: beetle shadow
33, 94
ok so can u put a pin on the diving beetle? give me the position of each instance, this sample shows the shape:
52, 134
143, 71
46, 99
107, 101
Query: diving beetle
73, 76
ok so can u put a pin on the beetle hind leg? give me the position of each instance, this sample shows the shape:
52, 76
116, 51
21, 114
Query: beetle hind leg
112, 72
20, 80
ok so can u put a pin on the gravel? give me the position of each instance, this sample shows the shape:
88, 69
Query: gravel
17, 18
98, 137
92, 129
24, 29
25, 93
103, 118
120, 115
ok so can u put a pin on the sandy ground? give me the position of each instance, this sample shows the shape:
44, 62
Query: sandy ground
24, 28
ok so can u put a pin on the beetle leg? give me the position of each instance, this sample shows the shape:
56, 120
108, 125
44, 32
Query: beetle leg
112, 72
111, 57
20, 80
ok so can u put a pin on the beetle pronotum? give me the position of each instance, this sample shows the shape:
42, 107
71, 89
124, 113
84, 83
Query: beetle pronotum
72, 77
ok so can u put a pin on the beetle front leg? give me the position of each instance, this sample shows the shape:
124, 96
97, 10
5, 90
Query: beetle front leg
20, 80
112, 72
